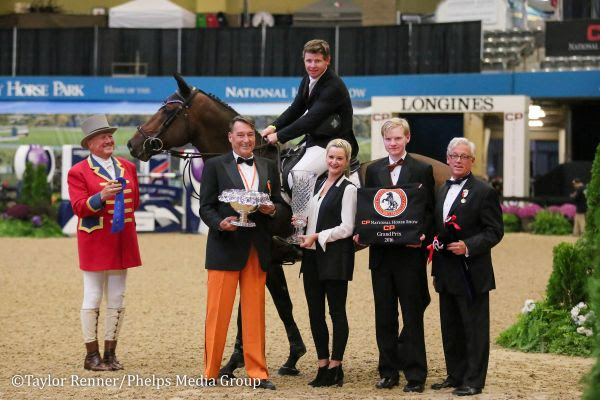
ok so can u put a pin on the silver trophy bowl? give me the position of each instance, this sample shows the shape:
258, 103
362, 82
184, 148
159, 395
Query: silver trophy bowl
304, 186
244, 202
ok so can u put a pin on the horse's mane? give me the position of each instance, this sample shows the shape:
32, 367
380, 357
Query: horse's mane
218, 101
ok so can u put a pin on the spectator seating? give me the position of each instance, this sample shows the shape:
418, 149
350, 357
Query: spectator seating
509, 49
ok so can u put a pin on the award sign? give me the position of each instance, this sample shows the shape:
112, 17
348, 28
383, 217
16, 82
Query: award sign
391, 216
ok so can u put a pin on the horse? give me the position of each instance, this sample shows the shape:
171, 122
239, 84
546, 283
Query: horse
392, 204
193, 116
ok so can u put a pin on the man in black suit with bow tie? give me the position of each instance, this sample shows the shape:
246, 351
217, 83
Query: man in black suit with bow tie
468, 222
321, 95
236, 254
399, 273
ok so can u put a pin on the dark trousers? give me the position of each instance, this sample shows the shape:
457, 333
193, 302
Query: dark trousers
277, 286
466, 337
395, 280
336, 292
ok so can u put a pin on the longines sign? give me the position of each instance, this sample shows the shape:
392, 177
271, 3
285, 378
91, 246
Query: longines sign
446, 104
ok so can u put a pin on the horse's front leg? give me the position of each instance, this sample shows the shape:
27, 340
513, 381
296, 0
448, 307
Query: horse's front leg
277, 285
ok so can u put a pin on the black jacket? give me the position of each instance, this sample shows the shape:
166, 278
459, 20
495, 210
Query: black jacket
329, 96
229, 250
481, 228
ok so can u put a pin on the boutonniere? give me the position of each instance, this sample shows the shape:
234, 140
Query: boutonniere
269, 186
464, 195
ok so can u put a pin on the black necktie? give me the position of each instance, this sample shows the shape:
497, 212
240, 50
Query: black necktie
249, 161
458, 181
394, 165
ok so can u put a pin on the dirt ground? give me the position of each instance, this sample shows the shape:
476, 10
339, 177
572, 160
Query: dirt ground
161, 343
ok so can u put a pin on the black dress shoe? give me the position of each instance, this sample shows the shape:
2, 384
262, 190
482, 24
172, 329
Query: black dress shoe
446, 383
387, 382
265, 384
414, 386
466, 391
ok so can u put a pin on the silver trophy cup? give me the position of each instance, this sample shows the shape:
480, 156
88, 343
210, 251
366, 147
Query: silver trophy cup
302, 191
244, 202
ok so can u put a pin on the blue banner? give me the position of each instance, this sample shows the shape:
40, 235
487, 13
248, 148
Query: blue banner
283, 90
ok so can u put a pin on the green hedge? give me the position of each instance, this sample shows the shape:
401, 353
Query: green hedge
550, 223
19, 228
568, 282
512, 223
591, 240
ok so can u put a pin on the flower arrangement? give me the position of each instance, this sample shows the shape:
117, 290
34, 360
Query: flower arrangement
528, 307
528, 211
584, 322
545, 328
510, 209
568, 210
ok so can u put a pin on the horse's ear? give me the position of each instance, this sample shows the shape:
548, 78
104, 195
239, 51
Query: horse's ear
184, 89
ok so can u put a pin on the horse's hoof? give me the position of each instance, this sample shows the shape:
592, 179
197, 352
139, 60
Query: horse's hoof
288, 371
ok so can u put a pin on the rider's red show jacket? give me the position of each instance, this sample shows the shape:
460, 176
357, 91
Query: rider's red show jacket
99, 248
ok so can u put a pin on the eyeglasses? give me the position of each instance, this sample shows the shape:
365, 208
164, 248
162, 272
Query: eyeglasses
462, 157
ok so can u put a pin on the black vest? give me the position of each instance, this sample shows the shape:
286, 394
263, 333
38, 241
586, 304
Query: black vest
337, 262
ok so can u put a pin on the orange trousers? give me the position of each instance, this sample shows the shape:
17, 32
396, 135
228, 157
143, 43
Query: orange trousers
222, 286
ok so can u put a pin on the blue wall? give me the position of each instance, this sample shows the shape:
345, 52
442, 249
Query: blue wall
580, 84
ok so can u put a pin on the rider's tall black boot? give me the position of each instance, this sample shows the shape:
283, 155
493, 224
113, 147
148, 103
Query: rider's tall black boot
297, 350
235, 361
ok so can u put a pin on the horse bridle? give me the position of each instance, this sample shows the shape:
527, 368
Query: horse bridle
154, 145
152, 142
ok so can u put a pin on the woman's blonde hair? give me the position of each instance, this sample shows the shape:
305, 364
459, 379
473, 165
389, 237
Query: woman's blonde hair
344, 145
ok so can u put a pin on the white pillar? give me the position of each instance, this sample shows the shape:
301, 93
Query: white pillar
516, 149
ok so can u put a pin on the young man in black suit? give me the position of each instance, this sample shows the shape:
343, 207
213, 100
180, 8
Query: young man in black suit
236, 254
321, 94
399, 272
468, 221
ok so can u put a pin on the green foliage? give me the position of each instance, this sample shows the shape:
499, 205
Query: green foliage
546, 329
35, 191
19, 228
571, 270
591, 240
550, 223
512, 223
593, 199
593, 378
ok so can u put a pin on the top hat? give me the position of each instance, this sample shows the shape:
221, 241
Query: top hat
94, 125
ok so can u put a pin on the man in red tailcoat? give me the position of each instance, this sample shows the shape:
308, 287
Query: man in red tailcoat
100, 187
